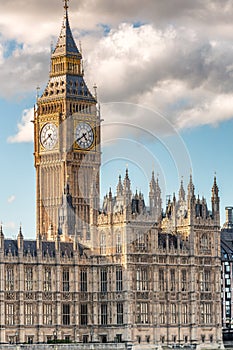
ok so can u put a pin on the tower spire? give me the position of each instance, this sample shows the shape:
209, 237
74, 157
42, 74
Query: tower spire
66, 6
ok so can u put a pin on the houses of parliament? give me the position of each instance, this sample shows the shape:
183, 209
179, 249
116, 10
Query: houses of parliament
129, 272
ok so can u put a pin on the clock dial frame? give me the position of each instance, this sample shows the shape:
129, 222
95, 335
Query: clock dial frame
49, 136
84, 135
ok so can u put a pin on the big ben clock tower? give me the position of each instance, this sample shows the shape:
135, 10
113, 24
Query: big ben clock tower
67, 146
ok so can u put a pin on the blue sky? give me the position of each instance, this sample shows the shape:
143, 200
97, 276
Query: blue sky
164, 74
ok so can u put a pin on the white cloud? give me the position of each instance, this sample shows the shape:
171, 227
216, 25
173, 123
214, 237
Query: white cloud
9, 225
11, 199
25, 128
210, 111
187, 78
178, 62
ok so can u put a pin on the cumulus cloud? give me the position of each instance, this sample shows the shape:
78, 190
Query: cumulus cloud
9, 225
11, 199
173, 57
25, 128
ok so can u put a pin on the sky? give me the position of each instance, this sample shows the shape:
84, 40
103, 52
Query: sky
164, 72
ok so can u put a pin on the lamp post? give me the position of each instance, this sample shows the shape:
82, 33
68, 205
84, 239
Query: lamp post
16, 337
55, 336
91, 333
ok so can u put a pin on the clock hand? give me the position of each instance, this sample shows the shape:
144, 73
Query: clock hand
79, 138
48, 137
83, 135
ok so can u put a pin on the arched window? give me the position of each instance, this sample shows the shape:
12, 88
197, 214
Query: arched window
102, 243
118, 243
204, 242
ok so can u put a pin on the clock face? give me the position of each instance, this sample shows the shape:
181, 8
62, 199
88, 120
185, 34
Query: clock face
49, 136
84, 135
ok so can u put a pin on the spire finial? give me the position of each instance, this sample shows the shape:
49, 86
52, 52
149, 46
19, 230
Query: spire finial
66, 6
1, 229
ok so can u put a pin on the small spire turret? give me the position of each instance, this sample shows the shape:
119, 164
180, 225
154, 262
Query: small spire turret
215, 201
181, 192
215, 188
1, 238
20, 238
119, 187
155, 198
127, 182
191, 187
1, 231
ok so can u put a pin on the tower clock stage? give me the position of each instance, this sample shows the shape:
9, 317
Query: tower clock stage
67, 145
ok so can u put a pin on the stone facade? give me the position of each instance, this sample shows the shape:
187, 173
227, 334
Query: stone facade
227, 275
128, 273
142, 282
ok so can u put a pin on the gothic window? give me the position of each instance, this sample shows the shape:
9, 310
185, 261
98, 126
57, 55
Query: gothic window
28, 278
172, 280
103, 280
83, 281
142, 279
9, 286
47, 314
83, 314
206, 313
118, 244
65, 280
173, 314
66, 314
183, 280
47, 279
142, 314
102, 243
119, 313
205, 283
161, 280
184, 313
204, 242
119, 283
10, 314
162, 314
104, 314
119, 338
141, 242
28, 314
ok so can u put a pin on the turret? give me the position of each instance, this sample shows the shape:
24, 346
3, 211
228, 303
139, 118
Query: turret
110, 201
119, 187
127, 194
1, 238
20, 239
215, 202
66, 58
181, 192
155, 199
191, 194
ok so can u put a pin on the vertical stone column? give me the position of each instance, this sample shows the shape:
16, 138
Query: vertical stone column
58, 311
2, 303
21, 288
76, 296
40, 338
